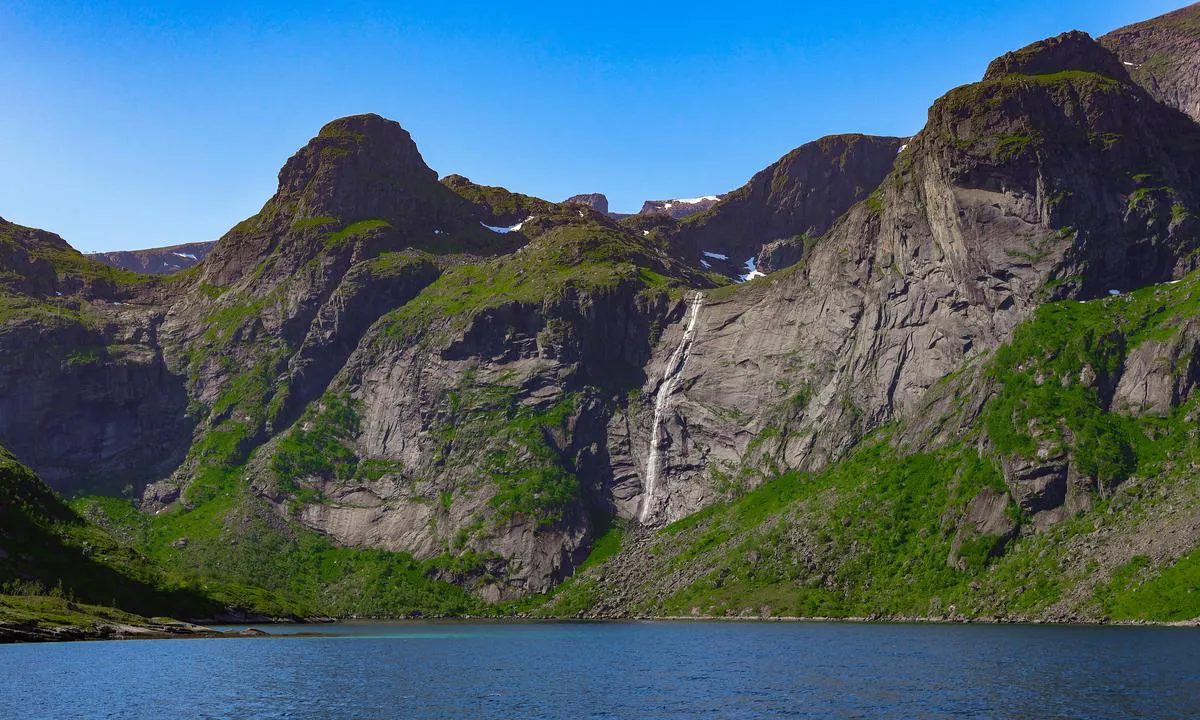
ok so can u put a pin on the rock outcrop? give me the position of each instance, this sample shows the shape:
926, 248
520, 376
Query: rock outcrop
801, 194
596, 201
1163, 56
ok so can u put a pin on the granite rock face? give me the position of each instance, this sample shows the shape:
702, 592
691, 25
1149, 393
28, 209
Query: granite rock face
1020, 189
1163, 56
801, 194
94, 409
85, 394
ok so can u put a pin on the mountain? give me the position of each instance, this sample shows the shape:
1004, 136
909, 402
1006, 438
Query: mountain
963, 389
927, 435
164, 261
679, 209
1161, 55
799, 196
596, 201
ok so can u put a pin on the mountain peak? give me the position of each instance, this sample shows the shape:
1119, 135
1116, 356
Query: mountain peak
596, 201
365, 123
1069, 51
356, 167
1163, 56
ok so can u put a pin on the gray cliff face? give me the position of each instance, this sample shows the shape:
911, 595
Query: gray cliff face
965, 237
439, 412
93, 408
86, 396
1163, 56
1160, 375
794, 200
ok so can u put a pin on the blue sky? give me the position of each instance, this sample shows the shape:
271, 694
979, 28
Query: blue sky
140, 124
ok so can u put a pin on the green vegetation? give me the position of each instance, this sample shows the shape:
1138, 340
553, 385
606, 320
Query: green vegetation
878, 530
48, 312
500, 202
1009, 147
874, 201
52, 556
354, 231
40, 246
1138, 592
486, 427
1050, 374
319, 445
34, 604
995, 91
581, 258
315, 222
229, 544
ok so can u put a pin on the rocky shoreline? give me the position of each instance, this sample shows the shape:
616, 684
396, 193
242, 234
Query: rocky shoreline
35, 632
11, 633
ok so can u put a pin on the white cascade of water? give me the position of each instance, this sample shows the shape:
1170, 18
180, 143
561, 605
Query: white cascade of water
665, 388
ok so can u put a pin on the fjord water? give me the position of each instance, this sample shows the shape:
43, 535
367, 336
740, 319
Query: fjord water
619, 670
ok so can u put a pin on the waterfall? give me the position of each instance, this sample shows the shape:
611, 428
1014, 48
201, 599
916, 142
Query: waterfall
665, 387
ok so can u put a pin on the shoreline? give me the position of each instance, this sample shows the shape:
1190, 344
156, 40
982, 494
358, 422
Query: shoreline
33, 632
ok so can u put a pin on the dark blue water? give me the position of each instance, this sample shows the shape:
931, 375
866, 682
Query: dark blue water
631, 670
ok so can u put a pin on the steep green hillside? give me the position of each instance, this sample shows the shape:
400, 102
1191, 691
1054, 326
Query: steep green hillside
50, 554
895, 530
236, 537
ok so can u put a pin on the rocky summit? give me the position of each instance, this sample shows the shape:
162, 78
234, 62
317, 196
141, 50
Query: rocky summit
943, 376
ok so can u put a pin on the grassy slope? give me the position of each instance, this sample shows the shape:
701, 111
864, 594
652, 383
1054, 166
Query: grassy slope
51, 611
49, 551
871, 535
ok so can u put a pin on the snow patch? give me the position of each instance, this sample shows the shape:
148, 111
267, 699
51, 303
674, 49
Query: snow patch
511, 228
902, 148
645, 233
690, 201
1114, 293
189, 256
706, 263
751, 271
715, 256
